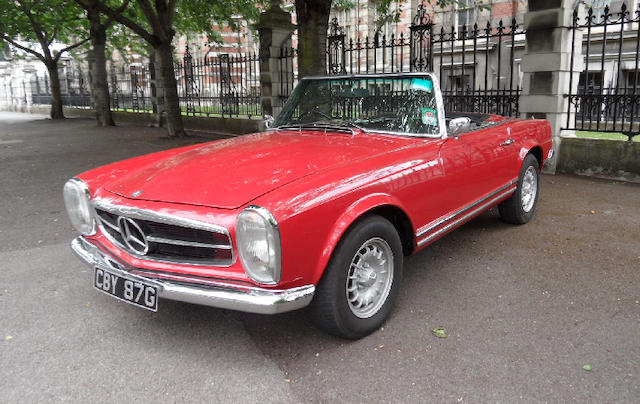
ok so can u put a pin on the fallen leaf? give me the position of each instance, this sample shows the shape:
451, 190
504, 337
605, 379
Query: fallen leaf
439, 332
587, 368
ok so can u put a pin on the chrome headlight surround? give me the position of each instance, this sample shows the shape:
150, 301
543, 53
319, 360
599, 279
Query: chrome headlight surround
76, 199
258, 241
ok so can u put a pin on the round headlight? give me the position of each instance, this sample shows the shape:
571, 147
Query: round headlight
258, 240
76, 199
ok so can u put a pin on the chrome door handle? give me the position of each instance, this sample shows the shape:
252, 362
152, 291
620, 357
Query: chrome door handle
507, 142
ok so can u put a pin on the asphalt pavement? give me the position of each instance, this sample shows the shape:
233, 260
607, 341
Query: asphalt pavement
525, 308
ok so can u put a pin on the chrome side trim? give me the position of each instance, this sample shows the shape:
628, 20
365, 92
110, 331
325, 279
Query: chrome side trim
467, 216
430, 227
427, 228
221, 295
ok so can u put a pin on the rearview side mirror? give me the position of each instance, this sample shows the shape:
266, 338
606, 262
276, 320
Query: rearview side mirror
459, 125
268, 121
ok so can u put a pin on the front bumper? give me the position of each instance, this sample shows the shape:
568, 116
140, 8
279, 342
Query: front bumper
221, 295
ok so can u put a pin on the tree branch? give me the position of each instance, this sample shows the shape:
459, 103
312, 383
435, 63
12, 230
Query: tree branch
171, 11
40, 33
133, 26
68, 48
152, 17
53, 36
118, 10
24, 48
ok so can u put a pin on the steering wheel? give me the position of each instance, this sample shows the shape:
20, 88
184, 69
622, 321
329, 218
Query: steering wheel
314, 110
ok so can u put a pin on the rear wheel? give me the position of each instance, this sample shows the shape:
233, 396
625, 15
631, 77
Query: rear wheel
359, 286
519, 208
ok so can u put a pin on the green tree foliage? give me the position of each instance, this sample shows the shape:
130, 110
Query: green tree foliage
159, 21
34, 26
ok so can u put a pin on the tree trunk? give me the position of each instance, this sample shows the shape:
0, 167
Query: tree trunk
166, 83
157, 95
313, 21
56, 96
98, 64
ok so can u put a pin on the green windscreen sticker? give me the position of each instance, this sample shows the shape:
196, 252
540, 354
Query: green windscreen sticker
422, 85
429, 116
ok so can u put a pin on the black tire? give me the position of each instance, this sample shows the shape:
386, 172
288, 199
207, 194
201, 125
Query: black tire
517, 210
365, 241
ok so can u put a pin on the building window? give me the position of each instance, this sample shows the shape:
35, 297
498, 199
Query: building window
465, 10
457, 79
590, 85
598, 9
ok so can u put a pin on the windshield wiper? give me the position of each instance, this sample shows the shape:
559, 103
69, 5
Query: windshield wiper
321, 125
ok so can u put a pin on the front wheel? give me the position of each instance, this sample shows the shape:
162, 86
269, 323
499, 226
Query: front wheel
359, 286
519, 208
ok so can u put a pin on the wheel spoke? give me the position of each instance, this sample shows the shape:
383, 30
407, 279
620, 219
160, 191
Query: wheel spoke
370, 278
528, 189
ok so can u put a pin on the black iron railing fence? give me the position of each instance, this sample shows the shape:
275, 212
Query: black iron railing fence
224, 85
74, 87
287, 64
221, 85
130, 87
478, 67
606, 96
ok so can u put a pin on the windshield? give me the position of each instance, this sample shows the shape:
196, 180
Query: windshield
404, 105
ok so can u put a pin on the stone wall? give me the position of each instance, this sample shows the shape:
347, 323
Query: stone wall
611, 159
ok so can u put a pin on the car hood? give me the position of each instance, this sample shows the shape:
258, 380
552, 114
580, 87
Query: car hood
231, 173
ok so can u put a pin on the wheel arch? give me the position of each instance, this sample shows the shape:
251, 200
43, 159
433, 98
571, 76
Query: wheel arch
533, 149
383, 205
537, 153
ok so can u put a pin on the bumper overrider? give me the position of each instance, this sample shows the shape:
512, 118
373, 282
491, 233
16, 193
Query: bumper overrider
223, 295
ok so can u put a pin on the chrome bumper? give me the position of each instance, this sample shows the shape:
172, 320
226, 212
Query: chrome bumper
224, 296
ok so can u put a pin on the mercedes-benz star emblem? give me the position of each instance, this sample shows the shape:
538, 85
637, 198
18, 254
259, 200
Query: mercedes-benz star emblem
132, 235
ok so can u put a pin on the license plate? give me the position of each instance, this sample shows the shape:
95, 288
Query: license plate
131, 291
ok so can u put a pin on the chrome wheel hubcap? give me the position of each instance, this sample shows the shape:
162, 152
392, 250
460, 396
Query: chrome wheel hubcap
370, 277
529, 189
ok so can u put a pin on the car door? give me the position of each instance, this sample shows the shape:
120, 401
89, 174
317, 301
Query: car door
477, 165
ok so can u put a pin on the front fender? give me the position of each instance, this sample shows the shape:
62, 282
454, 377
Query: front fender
345, 220
540, 138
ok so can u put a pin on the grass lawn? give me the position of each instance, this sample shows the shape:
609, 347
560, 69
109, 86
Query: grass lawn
604, 135
242, 113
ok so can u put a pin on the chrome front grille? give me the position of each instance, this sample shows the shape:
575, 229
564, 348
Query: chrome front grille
152, 236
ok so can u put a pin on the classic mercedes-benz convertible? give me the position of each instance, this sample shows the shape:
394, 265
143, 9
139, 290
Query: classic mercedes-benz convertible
319, 210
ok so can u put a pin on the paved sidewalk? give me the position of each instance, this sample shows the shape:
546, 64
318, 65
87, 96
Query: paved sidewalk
525, 307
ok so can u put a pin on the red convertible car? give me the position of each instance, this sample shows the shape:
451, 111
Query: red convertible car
356, 173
